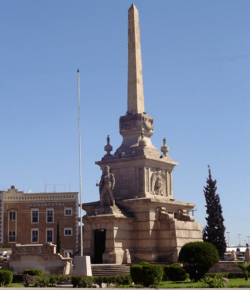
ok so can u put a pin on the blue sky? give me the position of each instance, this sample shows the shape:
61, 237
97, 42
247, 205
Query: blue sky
196, 71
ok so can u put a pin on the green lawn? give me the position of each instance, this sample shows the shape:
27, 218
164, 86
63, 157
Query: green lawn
238, 282
187, 284
16, 285
232, 283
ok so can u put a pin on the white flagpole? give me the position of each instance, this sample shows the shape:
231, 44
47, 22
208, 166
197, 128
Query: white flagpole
80, 160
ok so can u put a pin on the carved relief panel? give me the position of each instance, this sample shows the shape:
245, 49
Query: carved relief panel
158, 182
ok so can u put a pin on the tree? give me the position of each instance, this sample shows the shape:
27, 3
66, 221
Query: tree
58, 239
245, 268
198, 258
214, 231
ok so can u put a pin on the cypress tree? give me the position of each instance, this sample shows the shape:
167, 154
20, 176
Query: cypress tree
214, 231
58, 239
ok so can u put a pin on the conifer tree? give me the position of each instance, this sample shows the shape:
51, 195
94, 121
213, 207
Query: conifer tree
214, 231
58, 239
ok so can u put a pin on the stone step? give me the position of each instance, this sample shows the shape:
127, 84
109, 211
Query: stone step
109, 269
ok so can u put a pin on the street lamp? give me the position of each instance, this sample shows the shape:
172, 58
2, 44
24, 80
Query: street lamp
239, 239
228, 238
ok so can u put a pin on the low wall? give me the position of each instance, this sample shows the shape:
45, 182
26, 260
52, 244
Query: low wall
225, 266
39, 256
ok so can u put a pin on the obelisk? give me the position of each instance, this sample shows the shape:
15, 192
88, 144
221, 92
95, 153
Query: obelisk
135, 81
136, 124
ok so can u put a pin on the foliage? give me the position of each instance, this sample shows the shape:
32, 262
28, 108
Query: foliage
146, 274
245, 267
198, 258
122, 279
33, 272
235, 275
58, 239
6, 277
214, 231
136, 273
175, 272
46, 281
81, 281
17, 278
28, 279
209, 282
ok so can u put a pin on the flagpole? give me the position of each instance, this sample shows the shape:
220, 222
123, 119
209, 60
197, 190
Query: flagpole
80, 161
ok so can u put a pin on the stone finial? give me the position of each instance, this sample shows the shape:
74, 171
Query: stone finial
108, 148
142, 142
135, 81
164, 148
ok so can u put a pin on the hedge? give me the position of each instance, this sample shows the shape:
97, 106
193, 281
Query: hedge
6, 277
146, 274
175, 272
33, 272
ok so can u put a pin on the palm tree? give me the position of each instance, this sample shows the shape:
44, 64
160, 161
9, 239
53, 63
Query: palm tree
245, 268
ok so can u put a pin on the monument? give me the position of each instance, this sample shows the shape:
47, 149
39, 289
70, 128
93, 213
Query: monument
137, 217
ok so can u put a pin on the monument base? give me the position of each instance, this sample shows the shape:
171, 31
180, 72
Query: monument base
82, 266
140, 229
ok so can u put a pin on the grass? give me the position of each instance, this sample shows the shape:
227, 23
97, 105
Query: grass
16, 285
182, 284
232, 283
238, 282
3, 249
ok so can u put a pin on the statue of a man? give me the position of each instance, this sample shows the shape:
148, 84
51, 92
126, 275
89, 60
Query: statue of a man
106, 186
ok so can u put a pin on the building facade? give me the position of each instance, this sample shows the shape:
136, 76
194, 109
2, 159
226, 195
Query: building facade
32, 218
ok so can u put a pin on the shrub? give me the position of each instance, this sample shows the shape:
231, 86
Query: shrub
42, 281
209, 282
6, 277
33, 272
146, 274
17, 278
175, 272
81, 281
198, 258
122, 279
136, 274
27, 279
245, 267
234, 275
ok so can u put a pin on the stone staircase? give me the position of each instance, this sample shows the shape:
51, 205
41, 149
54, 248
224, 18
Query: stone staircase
109, 269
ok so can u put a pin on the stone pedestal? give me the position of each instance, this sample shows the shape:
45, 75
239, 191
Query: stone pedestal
141, 229
82, 266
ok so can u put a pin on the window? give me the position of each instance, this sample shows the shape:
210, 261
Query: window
34, 236
34, 216
12, 215
68, 211
67, 231
50, 215
12, 236
49, 235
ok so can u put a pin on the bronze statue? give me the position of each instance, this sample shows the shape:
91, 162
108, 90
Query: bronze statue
106, 186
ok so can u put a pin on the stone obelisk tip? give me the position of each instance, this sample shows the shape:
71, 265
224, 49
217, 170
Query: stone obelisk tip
133, 6
135, 80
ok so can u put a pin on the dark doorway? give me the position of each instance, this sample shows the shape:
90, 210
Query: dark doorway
99, 240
